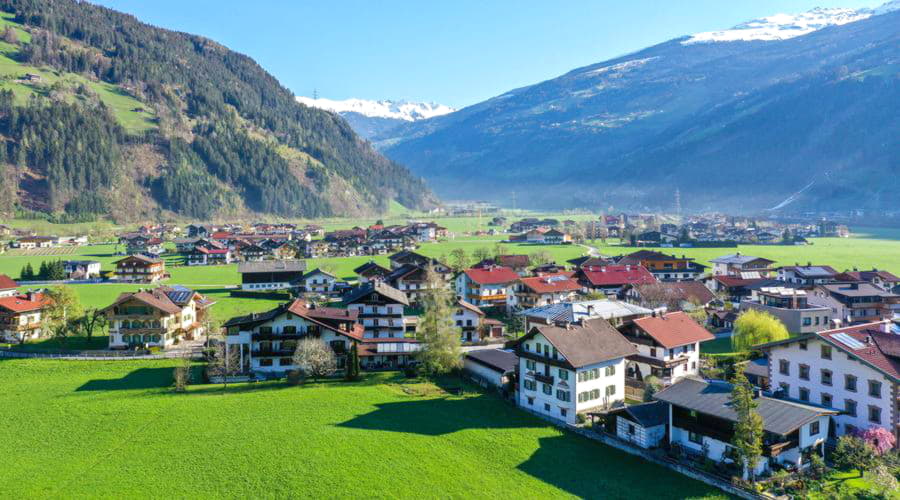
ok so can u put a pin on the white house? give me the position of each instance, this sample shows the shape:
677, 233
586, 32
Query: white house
855, 370
668, 347
490, 286
494, 367
643, 425
567, 369
82, 269
8, 287
380, 309
319, 281
701, 421
156, 318
740, 265
616, 312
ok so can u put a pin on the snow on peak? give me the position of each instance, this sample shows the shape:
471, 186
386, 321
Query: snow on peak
401, 110
784, 26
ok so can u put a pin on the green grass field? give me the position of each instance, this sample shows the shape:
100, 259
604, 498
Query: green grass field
115, 429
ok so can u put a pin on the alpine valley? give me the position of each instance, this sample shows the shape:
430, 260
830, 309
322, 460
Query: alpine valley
374, 118
787, 112
101, 114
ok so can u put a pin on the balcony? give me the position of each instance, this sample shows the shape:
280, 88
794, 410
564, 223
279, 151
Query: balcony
280, 353
775, 449
546, 379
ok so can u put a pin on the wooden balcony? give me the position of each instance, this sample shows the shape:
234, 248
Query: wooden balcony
546, 379
775, 449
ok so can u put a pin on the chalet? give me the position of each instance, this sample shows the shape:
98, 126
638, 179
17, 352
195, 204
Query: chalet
140, 269
735, 288
319, 281
371, 271
518, 263
402, 258
808, 275
610, 279
316, 249
254, 252
159, 317
474, 324
791, 307
487, 287
81, 269
21, 316
566, 369
32, 242
550, 268
855, 302
702, 422
270, 274
615, 312
668, 347
202, 256
738, 265
146, 245
854, 370
380, 309
884, 280
7, 286
663, 267
673, 295
411, 280
199, 231
493, 367
543, 290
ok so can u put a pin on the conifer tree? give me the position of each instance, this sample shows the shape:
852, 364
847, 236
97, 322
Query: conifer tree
440, 338
748, 430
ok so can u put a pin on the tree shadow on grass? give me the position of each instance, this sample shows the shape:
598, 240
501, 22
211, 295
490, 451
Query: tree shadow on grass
436, 417
142, 378
595, 470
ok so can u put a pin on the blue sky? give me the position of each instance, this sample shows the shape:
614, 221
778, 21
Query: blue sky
453, 52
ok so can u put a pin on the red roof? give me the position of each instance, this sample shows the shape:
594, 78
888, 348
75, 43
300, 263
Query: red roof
494, 275
21, 303
673, 329
300, 308
6, 282
221, 235
734, 281
617, 275
551, 283
880, 350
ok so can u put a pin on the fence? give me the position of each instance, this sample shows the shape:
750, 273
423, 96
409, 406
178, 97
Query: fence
96, 355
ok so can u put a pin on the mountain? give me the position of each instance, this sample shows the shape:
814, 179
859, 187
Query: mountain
372, 118
794, 112
101, 114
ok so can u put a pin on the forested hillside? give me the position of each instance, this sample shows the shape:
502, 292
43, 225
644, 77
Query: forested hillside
100, 111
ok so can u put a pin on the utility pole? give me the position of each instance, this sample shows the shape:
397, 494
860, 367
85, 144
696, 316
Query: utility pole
514, 202
678, 203
315, 94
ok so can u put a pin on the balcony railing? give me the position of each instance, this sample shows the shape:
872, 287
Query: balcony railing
281, 353
546, 379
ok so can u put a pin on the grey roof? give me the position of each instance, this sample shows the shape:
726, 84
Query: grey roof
758, 367
573, 311
272, 266
378, 287
647, 414
592, 341
812, 271
856, 290
736, 258
500, 360
779, 416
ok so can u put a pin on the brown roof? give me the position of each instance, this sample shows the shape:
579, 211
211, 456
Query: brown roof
140, 257
870, 344
6, 282
673, 329
692, 291
472, 307
156, 298
551, 283
592, 341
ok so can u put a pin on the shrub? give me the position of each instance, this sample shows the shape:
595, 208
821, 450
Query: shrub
580, 418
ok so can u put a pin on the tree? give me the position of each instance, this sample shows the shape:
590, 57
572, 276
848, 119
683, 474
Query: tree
540, 258
883, 481
498, 250
880, 439
182, 373
10, 36
63, 313
756, 327
91, 320
440, 338
459, 260
27, 273
851, 453
480, 254
352, 372
748, 429
651, 387
314, 358
224, 363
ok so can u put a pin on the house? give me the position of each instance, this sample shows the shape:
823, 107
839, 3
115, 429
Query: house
663, 267
21, 316
32, 242
319, 281
735, 288
254, 252
566, 369
271, 274
673, 295
404, 257
81, 269
701, 421
737, 264
159, 317
884, 280
643, 425
616, 312
371, 271
543, 290
855, 302
589, 261
487, 287
491, 367
556, 237
667, 345
7, 286
316, 249
474, 325
611, 279
266, 341
411, 280
199, 231
518, 263
203, 256
722, 319
757, 372
854, 370
140, 269
147, 245
379, 308
808, 275
791, 307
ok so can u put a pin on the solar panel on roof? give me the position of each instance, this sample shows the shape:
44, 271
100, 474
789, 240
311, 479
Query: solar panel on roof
849, 341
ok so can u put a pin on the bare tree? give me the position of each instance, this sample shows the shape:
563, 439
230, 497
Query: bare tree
224, 362
314, 358
182, 373
92, 319
439, 336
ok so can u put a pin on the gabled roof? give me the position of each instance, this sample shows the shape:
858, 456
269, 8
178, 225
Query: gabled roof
714, 398
318, 271
156, 298
642, 255
499, 360
856, 290
272, 266
383, 289
673, 329
141, 257
404, 271
737, 258
371, 269
691, 291
494, 275
592, 341
646, 414
6, 283
513, 261
736, 282
617, 275
472, 307
299, 307
550, 284
22, 303
571, 311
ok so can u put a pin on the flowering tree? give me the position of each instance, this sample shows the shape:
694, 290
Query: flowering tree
879, 438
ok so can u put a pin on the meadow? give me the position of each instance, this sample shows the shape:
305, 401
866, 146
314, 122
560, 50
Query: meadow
116, 429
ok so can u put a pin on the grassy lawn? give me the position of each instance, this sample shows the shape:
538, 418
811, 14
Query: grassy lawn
116, 429
717, 346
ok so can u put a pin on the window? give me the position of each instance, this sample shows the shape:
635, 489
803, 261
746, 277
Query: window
547, 388
695, 438
547, 350
850, 407
285, 362
826, 352
874, 414
653, 352
814, 428
804, 372
631, 429
875, 389
610, 390
850, 383
547, 407
563, 395
826, 399
265, 362
804, 394
803, 345
784, 367
563, 412
529, 384
610, 371
826, 377
530, 401
530, 364
807, 321
563, 374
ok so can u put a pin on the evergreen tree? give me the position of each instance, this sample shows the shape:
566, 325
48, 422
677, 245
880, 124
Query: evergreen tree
352, 371
43, 272
440, 338
748, 430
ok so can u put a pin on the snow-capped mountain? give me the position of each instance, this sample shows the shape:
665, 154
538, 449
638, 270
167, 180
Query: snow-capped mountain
369, 118
784, 26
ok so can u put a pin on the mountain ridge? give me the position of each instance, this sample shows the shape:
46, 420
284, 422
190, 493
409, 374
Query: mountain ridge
372, 118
